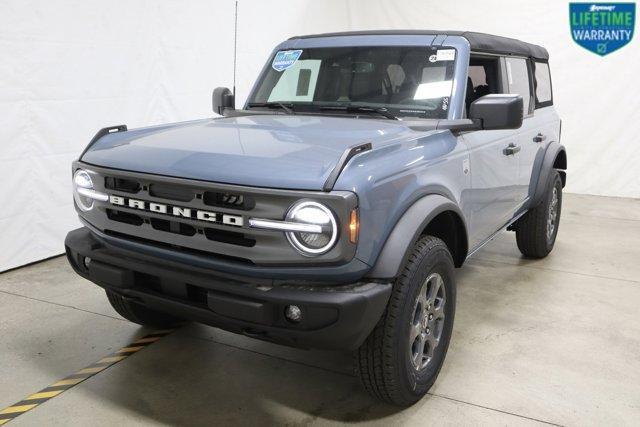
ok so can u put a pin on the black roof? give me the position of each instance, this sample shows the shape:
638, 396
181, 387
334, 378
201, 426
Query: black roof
480, 42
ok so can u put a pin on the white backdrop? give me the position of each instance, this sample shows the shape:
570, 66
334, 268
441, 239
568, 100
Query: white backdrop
68, 68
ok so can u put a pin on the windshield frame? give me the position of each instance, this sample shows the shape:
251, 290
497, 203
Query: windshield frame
456, 99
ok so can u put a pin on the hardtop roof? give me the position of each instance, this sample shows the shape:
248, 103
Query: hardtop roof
479, 42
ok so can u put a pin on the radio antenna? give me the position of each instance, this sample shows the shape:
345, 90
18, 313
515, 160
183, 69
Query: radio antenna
235, 48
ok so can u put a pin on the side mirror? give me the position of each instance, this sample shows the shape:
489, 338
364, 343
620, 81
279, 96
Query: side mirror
497, 111
222, 99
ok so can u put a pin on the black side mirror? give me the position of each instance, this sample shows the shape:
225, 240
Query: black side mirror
222, 99
498, 111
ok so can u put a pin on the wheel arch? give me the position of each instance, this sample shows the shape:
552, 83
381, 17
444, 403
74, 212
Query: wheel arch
434, 215
560, 163
555, 158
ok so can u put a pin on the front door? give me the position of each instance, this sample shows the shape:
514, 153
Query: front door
493, 156
493, 196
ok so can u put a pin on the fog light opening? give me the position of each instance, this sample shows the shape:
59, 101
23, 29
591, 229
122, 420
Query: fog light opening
86, 261
293, 313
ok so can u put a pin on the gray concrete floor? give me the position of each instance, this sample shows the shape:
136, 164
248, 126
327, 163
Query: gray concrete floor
553, 341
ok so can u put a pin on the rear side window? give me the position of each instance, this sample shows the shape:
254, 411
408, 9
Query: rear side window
518, 80
544, 96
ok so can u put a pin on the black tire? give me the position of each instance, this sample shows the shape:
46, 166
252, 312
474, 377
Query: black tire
532, 230
140, 314
384, 363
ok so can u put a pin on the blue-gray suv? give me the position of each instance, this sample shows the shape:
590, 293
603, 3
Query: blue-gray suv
330, 210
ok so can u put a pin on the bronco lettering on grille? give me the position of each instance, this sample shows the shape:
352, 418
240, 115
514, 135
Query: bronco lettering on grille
177, 211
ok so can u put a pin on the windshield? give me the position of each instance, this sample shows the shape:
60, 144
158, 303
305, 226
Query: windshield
404, 80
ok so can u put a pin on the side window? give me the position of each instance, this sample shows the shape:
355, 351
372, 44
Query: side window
478, 75
483, 78
518, 80
544, 96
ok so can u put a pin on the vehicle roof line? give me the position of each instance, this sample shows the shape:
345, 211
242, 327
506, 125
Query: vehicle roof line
480, 42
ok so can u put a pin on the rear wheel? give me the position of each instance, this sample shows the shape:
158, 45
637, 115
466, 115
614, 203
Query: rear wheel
401, 358
537, 230
140, 314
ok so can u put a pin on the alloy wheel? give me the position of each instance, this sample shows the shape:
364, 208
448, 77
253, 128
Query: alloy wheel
552, 217
427, 321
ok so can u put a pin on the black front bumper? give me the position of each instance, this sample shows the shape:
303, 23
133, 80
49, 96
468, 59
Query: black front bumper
333, 316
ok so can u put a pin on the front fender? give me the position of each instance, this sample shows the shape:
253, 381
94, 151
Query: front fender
407, 231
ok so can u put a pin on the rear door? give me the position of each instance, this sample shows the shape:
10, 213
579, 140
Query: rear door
541, 127
519, 81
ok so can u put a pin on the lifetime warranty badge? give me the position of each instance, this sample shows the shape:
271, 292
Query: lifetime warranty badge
602, 27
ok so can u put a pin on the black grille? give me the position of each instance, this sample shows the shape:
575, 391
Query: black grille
228, 200
182, 196
171, 192
122, 184
172, 227
125, 217
183, 249
228, 237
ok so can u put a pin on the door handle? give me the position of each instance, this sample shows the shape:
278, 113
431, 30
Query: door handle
539, 138
511, 149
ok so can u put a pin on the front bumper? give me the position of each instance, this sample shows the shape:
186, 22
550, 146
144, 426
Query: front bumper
334, 316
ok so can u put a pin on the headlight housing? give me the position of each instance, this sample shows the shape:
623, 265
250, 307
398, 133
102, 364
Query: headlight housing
82, 182
309, 212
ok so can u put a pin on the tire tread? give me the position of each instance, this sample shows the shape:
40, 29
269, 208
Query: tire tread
531, 229
374, 360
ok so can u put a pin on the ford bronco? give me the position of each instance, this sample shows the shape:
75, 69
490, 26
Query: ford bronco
331, 209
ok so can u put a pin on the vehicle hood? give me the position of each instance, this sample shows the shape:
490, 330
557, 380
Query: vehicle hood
277, 151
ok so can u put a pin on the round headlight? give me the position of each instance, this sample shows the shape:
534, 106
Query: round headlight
310, 244
82, 180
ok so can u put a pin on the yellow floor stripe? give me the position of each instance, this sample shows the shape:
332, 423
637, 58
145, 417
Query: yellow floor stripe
14, 409
44, 394
112, 359
144, 340
71, 381
91, 370
129, 349
11, 412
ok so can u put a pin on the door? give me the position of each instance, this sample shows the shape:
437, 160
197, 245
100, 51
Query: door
494, 173
530, 140
493, 158
540, 127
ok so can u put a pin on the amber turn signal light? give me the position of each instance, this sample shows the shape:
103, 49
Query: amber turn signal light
354, 226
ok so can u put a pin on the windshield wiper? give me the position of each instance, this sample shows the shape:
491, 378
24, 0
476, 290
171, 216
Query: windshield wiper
287, 108
360, 109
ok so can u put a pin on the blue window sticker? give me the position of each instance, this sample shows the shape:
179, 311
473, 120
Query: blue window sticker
285, 59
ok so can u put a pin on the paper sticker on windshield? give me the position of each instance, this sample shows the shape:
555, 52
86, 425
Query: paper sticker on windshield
285, 59
446, 55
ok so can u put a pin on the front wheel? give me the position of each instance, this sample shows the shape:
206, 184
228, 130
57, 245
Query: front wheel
401, 358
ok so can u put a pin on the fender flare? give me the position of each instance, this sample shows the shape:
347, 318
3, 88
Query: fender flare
408, 230
553, 151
